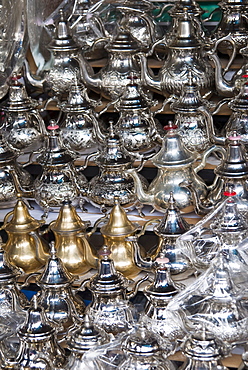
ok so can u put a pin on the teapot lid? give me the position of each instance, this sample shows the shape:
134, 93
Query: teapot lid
132, 98
76, 101
55, 273
236, 164
68, 220
107, 280
86, 337
123, 41
173, 152
54, 153
172, 223
62, 40
113, 153
7, 270
21, 221
185, 34
36, 325
192, 8
18, 100
142, 342
202, 346
118, 223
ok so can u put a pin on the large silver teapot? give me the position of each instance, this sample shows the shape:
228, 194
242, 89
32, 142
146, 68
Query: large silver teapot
186, 53
176, 165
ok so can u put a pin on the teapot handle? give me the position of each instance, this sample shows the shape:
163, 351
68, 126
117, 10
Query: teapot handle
207, 153
234, 52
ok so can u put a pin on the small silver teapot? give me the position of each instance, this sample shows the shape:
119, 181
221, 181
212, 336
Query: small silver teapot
110, 307
113, 179
22, 125
59, 179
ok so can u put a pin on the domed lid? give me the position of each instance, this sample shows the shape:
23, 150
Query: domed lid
53, 153
185, 33
235, 164
142, 343
55, 273
18, 100
192, 6
132, 97
36, 326
21, 221
68, 221
118, 223
107, 281
123, 41
173, 152
76, 101
202, 346
7, 270
86, 337
62, 40
113, 153
172, 222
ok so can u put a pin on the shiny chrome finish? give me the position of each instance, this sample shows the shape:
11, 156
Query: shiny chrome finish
59, 179
56, 296
175, 165
79, 124
22, 125
71, 241
110, 306
114, 180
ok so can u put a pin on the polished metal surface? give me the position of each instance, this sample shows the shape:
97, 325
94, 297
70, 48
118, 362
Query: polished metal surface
71, 240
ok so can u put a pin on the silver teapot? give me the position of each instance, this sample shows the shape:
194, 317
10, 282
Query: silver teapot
80, 123
38, 348
137, 127
112, 79
12, 176
22, 125
233, 21
168, 229
233, 171
110, 307
113, 180
56, 296
59, 178
176, 165
187, 53
57, 78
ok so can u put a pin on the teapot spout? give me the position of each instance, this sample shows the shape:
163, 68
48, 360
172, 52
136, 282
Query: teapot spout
223, 87
147, 76
90, 80
139, 261
144, 197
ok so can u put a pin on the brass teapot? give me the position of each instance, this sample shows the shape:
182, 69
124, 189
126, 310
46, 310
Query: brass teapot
22, 125
115, 231
176, 165
71, 240
24, 247
187, 53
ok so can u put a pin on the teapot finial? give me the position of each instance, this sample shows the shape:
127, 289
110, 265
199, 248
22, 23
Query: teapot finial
52, 125
104, 252
52, 250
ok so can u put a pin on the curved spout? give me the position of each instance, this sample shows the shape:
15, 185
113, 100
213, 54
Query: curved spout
93, 82
35, 82
139, 261
144, 197
40, 254
223, 86
147, 75
134, 291
202, 207
210, 127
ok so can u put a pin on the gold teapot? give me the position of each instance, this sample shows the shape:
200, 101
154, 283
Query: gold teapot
24, 247
71, 241
114, 233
